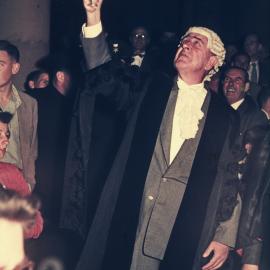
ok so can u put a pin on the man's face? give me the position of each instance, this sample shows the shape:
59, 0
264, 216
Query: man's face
43, 80
252, 45
234, 85
242, 61
139, 39
8, 68
193, 54
4, 138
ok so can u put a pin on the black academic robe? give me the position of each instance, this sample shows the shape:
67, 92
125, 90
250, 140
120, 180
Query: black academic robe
127, 177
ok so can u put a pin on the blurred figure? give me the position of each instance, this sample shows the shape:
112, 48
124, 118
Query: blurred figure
167, 44
214, 83
36, 79
54, 112
259, 70
17, 215
241, 60
231, 50
264, 101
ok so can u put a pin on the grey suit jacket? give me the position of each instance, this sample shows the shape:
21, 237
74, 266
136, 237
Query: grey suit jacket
28, 118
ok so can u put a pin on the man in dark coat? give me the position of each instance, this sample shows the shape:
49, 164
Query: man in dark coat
159, 208
235, 87
54, 110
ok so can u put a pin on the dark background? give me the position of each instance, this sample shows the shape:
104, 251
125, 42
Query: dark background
230, 18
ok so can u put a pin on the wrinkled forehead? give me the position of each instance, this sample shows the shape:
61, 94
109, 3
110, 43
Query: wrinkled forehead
214, 43
203, 33
197, 36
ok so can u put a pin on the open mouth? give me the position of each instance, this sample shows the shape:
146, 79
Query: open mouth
230, 90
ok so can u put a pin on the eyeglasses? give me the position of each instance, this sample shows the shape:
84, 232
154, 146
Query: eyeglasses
142, 36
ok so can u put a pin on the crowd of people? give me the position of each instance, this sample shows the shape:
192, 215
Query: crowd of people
154, 157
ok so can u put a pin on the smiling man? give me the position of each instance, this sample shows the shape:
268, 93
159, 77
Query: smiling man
160, 208
235, 87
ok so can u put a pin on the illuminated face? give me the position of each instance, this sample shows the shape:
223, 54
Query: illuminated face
4, 138
234, 85
193, 54
8, 68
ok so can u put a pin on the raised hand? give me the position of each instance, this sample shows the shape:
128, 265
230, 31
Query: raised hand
92, 8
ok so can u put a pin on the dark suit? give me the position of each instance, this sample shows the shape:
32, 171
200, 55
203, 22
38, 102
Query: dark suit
53, 126
264, 69
250, 116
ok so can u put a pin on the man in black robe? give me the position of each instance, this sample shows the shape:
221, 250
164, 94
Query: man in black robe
159, 208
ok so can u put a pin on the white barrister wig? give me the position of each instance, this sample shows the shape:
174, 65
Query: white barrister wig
215, 45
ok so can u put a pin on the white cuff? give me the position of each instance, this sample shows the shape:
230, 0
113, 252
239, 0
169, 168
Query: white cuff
91, 31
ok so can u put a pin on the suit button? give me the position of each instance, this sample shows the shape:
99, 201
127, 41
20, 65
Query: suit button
164, 180
151, 198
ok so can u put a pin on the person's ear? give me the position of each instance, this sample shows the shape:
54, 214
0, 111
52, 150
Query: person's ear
15, 68
211, 62
60, 76
31, 84
247, 86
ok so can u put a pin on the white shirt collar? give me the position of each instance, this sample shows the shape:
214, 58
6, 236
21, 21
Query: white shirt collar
266, 113
236, 104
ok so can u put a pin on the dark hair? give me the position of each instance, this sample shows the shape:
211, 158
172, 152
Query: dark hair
242, 53
254, 34
11, 50
15, 207
33, 76
246, 77
5, 117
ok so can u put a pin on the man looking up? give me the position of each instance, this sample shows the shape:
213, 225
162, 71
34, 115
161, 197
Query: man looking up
22, 148
160, 207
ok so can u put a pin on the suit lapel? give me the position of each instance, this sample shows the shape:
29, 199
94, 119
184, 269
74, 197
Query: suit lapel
182, 164
166, 126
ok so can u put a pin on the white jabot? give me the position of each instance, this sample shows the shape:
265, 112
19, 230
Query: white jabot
236, 104
187, 114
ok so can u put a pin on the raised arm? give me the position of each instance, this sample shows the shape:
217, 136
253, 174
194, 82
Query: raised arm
95, 47
92, 9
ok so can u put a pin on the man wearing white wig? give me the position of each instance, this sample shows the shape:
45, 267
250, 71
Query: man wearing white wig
164, 204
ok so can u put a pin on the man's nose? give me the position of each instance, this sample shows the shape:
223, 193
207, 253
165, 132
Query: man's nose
230, 83
4, 144
186, 44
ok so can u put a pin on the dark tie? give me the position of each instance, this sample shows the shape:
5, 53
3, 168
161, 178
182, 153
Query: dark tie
254, 75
